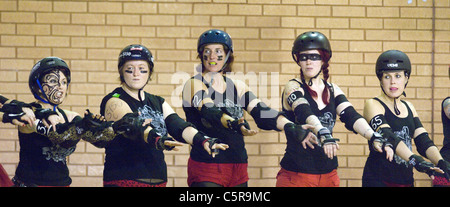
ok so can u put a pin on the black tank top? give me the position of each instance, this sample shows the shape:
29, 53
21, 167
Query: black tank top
445, 151
312, 161
129, 160
398, 171
445, 123
41, 162
229, 103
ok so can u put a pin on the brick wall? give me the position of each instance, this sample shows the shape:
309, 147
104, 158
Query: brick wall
90, 34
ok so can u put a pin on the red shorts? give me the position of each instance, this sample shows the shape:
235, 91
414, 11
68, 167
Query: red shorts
224, 174
387, 184
131, 183
286, 178
440, 181
5, 181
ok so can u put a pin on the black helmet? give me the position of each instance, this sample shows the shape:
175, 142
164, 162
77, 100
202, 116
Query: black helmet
135, 52
392, 60
214, 36
311, 40
41, 68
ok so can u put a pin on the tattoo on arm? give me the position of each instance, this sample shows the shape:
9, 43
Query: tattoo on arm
110, 114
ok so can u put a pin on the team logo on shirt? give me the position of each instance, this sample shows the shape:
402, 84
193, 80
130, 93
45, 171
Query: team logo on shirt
404, 136
232, 109
157, 119
57, 153
327, 120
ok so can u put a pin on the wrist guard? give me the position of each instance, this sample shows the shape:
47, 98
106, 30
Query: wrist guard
393, 139
295, 132
421, 165
130, 126
9, 117
236, 126
13, 110
90, 123
325, 137
376, 137
154, 139
43, 114
200, 139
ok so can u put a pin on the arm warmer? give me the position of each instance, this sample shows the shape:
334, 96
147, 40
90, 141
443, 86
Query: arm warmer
66, 134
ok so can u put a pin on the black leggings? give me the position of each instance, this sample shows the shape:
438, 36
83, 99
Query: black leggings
211, 184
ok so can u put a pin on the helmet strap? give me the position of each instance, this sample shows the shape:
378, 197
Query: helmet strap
396, 110
225, 62
45, 96
139, 94
310, 80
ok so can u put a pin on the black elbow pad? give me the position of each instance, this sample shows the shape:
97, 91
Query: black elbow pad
302, 112
265, 117
423, 142
349, 116
176, 125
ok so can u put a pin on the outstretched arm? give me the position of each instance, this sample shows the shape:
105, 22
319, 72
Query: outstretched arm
353, 121
424, 144
185, 132
374, 113
295, 101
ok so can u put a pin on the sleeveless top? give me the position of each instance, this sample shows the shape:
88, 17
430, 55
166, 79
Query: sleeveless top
398, 171
311, 161
130, 160
445, 151
41, 162
229, 103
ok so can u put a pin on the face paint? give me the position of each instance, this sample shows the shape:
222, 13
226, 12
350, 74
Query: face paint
213, 57
54, 85
136, 74
312, 57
